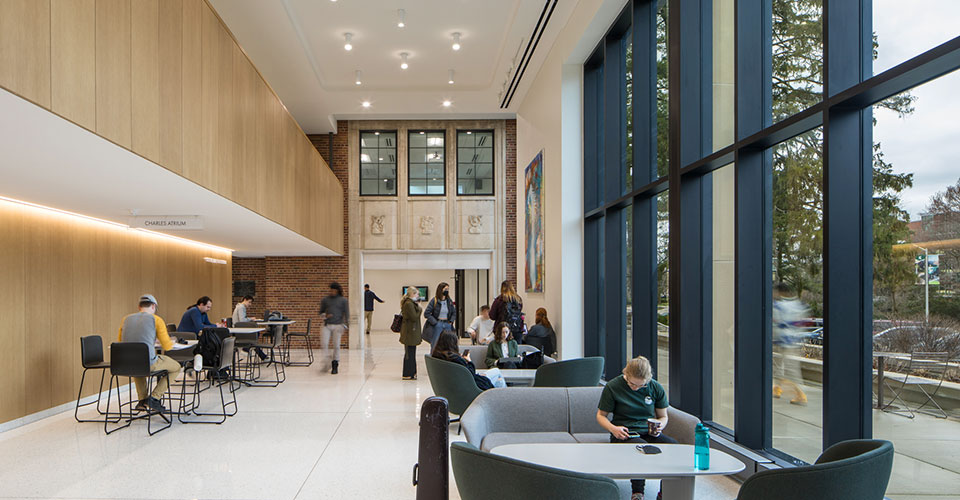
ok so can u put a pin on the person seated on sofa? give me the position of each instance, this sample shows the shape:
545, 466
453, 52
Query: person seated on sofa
502, 345
639, 406
448, 349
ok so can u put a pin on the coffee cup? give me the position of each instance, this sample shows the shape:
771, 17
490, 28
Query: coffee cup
653, 428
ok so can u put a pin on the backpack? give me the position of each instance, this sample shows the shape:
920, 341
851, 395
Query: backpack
397, 324
532, 360
208, 346
514, 319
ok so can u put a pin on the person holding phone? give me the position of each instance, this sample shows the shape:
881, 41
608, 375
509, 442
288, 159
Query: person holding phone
639, 407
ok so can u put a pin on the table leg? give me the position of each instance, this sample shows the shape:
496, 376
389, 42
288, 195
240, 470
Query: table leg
880, 382
678, 488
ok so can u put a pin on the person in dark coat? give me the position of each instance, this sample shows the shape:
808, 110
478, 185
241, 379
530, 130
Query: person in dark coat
508, 308
410, 331
440, 315
542, 335
448, 349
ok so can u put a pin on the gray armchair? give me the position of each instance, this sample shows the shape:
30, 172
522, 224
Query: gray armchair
453, 382
581, 372
857, 469
476, 474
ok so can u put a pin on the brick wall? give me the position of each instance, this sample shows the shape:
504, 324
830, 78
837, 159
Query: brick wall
511, 202
295, 285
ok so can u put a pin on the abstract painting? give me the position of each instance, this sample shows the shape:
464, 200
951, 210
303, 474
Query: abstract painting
533, 186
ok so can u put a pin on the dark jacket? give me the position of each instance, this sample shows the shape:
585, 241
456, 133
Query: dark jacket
410, 330
432, 317
337, 307
193, 321
368, 298
494, 352
498, 313
483, 383
544, 338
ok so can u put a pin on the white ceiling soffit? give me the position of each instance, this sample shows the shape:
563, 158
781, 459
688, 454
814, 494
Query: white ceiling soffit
49, 161
298, 47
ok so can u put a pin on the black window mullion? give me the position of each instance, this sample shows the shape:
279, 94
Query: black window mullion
848, 229
645, 293
691, 69
753, 282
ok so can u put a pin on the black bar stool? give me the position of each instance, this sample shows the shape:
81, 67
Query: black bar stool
132, 359
91, 358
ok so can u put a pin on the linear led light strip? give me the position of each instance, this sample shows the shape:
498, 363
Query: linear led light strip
115, 224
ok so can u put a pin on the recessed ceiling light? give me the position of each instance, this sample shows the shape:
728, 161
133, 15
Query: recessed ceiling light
358, 80
366, 104
376, 133
469, 132
446, 104
401, 18
347, 37
450, 77
403, 60
422, 132
456, 41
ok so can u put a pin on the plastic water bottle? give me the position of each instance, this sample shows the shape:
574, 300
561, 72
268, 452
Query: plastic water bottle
197, 362
701, 448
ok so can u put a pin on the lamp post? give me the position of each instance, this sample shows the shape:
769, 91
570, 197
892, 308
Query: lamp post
926, 281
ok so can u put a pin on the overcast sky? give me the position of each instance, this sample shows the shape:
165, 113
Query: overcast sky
926, 143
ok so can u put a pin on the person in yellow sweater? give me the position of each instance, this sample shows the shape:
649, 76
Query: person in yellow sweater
145, 326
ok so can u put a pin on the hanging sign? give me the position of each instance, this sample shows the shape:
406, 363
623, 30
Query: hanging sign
168, 222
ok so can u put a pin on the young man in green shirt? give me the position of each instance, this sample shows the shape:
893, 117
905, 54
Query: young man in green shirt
639, 407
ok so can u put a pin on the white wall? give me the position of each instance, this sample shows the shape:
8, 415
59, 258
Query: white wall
388, 285
549, 119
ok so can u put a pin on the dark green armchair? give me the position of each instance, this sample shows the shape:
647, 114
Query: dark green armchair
849, 470
580, 372
453, 382
482, 476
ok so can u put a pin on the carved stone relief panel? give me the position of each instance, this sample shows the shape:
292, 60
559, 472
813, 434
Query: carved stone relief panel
378, 224
427, 224
476, 226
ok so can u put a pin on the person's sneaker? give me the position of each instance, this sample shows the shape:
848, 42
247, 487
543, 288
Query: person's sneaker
141, 405
334, 369
799, 400
777, 391
636, 496
155, 405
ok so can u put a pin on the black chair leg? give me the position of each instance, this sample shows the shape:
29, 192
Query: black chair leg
76, 410
106, 417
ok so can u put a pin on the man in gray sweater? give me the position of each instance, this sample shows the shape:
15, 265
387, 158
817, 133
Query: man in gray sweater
335, 313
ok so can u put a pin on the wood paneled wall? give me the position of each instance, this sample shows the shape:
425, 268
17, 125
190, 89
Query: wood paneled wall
62, 277
167, 80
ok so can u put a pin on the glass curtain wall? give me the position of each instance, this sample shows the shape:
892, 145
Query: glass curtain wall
782, 205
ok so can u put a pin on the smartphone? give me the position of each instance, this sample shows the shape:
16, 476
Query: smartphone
632, 435
466, 352
648, 449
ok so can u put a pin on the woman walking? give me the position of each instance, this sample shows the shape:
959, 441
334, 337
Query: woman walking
508, 308
441, 314
410, 331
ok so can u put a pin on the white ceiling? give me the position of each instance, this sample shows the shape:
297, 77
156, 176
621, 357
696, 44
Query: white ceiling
50, 161
298, 47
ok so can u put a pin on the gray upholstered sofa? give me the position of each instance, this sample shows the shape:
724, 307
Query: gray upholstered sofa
548, 415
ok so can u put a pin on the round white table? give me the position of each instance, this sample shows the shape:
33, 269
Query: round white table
674, 466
